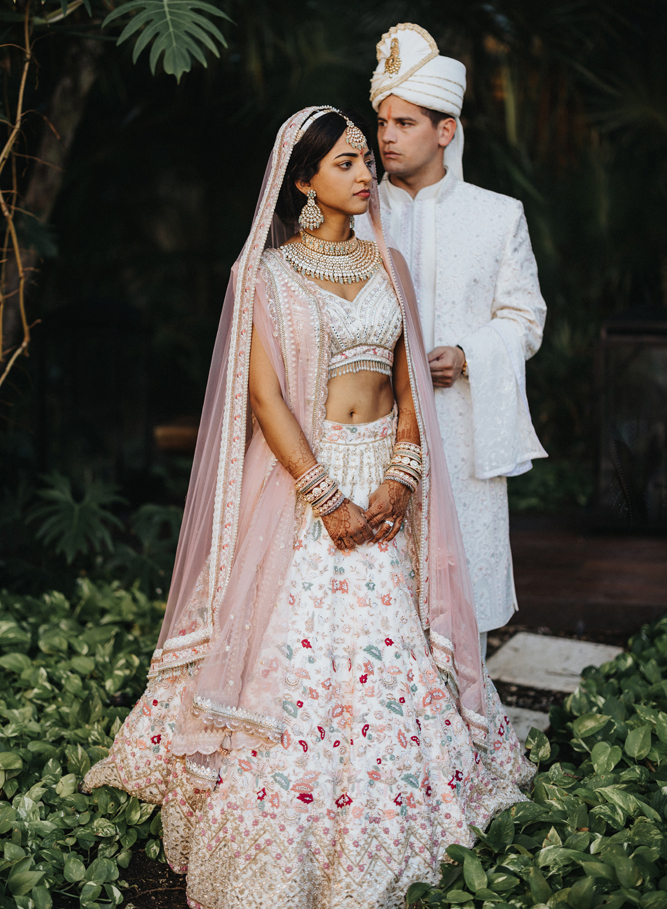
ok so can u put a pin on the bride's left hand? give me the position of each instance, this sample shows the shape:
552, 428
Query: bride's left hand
386, 509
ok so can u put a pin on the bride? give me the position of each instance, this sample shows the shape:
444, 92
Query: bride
318, 725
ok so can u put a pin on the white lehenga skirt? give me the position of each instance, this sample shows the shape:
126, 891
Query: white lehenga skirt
377, 773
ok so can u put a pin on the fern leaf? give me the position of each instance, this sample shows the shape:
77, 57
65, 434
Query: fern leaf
178, 29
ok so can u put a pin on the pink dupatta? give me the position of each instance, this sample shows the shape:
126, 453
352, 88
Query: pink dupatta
241, 514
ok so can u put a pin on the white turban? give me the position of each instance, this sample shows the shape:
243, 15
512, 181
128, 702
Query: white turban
409, 66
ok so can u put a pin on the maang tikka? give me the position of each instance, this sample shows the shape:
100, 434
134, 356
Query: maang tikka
311, 216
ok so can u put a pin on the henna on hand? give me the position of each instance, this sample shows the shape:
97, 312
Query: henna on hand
347, 526
389, 502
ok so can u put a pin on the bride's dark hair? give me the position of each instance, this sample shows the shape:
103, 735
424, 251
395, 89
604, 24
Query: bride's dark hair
316, 143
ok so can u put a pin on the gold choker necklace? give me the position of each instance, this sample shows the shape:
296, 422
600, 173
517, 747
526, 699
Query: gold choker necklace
346, 262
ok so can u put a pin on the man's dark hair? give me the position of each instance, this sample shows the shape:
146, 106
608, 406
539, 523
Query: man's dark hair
317, 142
435, 116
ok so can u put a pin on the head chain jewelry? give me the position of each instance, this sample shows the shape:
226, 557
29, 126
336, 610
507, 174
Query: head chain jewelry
353, 135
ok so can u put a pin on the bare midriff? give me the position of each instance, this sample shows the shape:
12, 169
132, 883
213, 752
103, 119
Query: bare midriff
359, 397
356, 397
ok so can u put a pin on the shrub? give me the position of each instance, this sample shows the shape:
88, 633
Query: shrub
594, 834
59, 533
65, 668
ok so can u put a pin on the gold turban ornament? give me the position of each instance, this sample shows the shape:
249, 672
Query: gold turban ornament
410, 67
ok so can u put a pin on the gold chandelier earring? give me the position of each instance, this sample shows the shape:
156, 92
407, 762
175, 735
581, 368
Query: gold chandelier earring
311, 216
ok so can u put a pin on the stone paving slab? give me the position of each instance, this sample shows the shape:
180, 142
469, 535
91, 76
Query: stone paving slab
524, 720
542, 661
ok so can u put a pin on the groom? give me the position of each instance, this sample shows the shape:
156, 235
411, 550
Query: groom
481, 309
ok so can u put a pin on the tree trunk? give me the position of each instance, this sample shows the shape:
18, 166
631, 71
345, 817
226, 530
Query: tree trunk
65, 112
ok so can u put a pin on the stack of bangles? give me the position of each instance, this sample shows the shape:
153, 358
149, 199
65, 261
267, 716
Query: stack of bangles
320, 491
406, 465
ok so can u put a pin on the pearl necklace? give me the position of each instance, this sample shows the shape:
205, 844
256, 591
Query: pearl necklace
346, 262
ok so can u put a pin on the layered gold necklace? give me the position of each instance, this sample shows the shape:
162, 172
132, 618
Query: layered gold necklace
346, 262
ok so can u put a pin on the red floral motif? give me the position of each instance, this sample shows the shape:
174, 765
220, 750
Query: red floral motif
413, 738
458, 776
303, 744
388, 641
261, 795
156, 739
305, 797
401, 700
306, 643
155, 703
336, 743
321, 732
299, 703
363, 679
343, 800
365, 730
398, 800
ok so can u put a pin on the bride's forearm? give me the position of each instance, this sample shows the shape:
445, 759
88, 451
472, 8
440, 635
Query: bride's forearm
281, 429
407, 429
284, 436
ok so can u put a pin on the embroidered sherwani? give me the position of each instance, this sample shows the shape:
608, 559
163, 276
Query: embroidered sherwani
476, 281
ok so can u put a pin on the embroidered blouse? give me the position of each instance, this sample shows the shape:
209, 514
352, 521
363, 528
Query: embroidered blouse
364, 331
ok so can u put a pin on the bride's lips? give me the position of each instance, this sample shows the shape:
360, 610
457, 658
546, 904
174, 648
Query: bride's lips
363, 194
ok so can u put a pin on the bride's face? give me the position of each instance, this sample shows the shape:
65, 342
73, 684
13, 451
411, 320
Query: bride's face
343, 181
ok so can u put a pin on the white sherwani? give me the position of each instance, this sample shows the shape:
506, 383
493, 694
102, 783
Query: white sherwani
475, 276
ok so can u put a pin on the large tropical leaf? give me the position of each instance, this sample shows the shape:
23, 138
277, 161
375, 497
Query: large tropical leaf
177, 28
74, 525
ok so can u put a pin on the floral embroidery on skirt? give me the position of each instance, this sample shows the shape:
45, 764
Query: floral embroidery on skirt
376, 774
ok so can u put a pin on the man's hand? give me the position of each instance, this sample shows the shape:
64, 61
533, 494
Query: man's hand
445, 364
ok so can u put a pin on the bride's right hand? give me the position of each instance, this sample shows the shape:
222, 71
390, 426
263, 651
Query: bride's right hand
347, 526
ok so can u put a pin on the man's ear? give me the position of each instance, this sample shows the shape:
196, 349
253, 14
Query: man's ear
446, 131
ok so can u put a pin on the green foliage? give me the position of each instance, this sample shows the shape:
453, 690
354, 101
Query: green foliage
176, 28
156, 527
70, 525
595, 834
62, 665
551, 485
56, 534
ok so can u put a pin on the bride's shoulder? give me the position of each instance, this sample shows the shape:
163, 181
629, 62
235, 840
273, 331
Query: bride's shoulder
271, 259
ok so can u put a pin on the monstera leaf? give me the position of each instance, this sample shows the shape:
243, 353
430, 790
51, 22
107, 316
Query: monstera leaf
180, 29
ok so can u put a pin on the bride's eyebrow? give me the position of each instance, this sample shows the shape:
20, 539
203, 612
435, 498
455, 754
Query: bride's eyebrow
346, 155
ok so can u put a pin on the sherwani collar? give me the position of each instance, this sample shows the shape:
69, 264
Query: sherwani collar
437, 191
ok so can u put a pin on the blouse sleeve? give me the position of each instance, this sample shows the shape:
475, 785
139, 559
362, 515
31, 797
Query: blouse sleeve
504, 439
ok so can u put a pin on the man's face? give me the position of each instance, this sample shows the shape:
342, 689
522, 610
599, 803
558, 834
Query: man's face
408, 139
